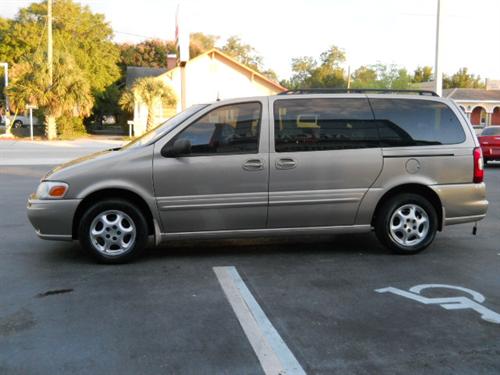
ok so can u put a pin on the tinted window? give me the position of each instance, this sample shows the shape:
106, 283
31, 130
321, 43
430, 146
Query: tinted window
404, 122
232, 129
491, 131
323, 124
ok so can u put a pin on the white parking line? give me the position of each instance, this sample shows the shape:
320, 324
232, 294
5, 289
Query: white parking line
274, 355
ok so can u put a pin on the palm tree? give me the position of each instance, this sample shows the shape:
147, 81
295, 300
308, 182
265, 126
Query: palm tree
150, 90
127, 101
69, 93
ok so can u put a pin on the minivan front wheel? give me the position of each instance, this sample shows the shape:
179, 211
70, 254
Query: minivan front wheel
113, 231
406, 223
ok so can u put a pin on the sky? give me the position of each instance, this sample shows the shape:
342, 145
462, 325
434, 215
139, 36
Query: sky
400, 32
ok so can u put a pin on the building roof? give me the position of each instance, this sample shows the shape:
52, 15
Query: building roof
472, 94
136, 72
215, 52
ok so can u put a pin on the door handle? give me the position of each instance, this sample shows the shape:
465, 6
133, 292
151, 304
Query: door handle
285, 163
253, 165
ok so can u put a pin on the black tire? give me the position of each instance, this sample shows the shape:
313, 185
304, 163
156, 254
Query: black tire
485, 162
113, 205
386, 212
18, 124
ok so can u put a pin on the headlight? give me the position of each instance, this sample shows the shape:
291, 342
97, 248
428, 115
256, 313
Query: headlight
51, 190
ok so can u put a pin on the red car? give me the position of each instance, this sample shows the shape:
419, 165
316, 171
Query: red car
490, 143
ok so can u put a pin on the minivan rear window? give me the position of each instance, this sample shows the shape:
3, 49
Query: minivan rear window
494, 130
405, 122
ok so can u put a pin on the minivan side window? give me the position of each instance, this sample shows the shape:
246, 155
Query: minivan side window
318, 124
230, 129
405, 122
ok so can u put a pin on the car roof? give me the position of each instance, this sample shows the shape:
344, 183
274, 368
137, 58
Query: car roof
339, 95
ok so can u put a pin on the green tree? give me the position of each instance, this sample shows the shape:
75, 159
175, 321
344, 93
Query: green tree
402, 80
150, 91
200, 43
364, 77
463, 79
242, 52
69, 94
107, 103
302, 68
153, 53
149, 53
381, 76
330, 73
271, 74
308, 73
392, 77
422, 74
247, 55
77, 31
127, 101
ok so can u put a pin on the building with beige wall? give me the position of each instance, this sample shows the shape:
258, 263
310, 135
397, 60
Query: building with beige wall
482, 106
210, 76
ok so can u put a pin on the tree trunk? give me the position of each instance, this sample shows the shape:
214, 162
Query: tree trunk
151, 118
8, 128
51, 130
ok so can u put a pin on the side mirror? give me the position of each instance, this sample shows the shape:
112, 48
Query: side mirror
179, 148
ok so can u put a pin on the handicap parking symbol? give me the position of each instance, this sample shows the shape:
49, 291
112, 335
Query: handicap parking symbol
448, 303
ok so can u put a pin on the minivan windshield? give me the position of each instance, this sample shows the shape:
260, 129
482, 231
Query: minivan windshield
165, 127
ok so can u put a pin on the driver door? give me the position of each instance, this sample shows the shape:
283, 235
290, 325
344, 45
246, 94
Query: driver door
223, 183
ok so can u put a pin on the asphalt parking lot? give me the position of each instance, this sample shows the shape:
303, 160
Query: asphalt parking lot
168, 313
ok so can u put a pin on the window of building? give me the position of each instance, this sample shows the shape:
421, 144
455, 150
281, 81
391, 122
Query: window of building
323, 124
231, 129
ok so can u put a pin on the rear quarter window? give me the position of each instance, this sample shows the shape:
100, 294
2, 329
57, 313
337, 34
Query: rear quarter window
405, 122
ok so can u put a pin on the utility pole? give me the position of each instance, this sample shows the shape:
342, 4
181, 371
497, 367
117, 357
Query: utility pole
348, 76
6, 83
182, 47
51, 127
438, 74
49, 40
7, 107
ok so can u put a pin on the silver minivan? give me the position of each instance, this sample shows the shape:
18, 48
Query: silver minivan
304, 162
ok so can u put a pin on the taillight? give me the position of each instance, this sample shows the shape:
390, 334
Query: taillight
478, 165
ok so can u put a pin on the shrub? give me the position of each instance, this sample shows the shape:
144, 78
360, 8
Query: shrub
70, 127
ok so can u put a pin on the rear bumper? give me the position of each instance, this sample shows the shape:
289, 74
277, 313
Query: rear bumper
462, 203
52, 219
491, 152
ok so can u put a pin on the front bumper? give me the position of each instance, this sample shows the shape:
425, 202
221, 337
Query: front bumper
462, 203
52, 219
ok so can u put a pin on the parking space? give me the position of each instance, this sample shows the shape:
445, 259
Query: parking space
169, 313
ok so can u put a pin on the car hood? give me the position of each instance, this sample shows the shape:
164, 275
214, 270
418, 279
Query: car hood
91, 160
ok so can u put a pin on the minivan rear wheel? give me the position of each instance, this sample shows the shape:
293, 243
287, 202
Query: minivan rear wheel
113, 231
406, 223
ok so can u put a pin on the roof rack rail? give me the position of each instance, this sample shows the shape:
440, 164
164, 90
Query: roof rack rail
356, 91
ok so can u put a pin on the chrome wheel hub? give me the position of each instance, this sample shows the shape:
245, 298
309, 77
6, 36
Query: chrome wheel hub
409, 225
112, 232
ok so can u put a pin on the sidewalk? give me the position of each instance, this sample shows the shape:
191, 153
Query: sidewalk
21, 152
